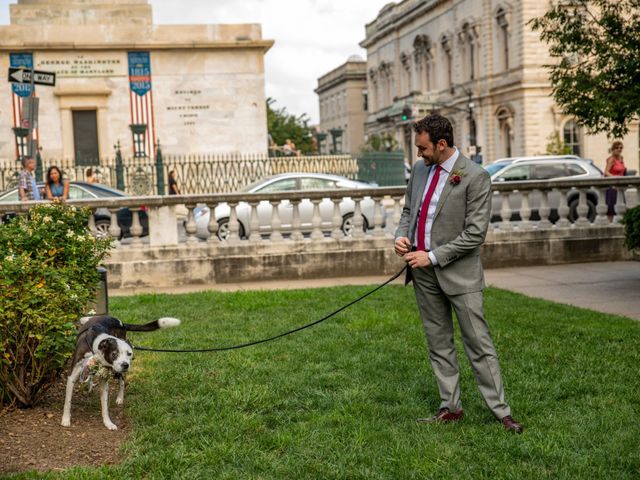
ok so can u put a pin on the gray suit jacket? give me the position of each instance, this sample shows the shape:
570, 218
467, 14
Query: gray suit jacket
459, 226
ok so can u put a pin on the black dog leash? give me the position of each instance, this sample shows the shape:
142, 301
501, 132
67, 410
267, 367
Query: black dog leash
256, 342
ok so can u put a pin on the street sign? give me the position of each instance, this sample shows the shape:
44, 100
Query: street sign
22, 75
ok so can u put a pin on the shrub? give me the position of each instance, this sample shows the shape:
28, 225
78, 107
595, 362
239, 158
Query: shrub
631, 222
48, 278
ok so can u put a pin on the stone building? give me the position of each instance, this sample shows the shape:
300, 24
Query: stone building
342, 94
120, 78
480, 64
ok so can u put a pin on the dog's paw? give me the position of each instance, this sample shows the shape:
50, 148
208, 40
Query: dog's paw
66, 422
119, 401
110, 425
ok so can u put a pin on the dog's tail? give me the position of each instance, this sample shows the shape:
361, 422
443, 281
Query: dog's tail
164, 322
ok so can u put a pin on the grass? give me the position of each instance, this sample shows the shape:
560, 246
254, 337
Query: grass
339, 401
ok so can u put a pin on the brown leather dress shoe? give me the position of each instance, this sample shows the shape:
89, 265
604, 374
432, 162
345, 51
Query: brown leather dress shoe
511, 425
444, 415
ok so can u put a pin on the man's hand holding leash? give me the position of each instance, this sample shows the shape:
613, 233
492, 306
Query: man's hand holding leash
414, 259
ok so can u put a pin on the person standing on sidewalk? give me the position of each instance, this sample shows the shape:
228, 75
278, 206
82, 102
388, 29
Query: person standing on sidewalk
444, 222
27, 185
614, 168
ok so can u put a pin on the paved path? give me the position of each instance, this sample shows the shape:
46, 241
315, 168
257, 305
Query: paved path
609, 287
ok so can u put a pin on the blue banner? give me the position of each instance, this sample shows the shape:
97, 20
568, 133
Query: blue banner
140, 72
21, 60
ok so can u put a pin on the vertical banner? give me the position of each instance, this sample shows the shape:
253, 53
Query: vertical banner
141, 97
21, 90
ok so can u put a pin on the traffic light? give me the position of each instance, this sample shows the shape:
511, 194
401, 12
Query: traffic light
407, 113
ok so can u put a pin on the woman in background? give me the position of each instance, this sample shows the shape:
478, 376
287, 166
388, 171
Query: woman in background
56, 187
614, 168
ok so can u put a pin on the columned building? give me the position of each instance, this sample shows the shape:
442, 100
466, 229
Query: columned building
120, 78
342, 94
480, 64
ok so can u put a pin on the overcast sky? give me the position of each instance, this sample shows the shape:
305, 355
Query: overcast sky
311, 37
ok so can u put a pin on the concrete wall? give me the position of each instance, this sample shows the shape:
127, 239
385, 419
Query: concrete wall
202, 264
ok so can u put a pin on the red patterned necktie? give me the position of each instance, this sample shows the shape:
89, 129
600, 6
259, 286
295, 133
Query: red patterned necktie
422, 221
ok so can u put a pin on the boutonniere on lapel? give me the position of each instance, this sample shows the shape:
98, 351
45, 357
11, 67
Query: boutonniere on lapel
456, 177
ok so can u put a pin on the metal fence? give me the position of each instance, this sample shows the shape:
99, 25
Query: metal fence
197, 174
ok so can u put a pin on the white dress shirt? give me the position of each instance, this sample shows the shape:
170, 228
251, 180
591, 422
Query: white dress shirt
447, 167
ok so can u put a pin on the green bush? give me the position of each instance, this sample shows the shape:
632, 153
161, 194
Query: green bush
631, 222
48, 278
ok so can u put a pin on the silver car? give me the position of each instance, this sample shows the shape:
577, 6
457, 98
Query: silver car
528, 169
284, 183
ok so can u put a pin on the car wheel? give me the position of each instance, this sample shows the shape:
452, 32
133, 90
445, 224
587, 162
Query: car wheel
223, 229
102, 228
347, 224
573, 210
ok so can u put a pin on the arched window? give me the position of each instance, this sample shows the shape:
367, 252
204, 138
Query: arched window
405, 60
571, 136
469, 49
503, 36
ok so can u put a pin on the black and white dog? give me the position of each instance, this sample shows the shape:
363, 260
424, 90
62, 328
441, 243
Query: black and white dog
102, 351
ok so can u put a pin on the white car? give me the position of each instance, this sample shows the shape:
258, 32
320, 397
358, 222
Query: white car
291, 182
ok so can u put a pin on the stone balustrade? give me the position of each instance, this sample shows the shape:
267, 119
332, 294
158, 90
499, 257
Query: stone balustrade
536, 222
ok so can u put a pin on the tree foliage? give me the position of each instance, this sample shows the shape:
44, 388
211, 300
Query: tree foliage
597, 74
282, 125
48, 278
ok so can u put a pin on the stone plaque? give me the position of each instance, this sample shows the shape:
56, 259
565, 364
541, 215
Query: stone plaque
73, 64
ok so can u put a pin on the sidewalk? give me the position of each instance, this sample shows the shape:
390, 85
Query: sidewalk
608, 287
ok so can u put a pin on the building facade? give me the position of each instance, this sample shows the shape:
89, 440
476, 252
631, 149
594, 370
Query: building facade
479, 63
342, 94
120, 78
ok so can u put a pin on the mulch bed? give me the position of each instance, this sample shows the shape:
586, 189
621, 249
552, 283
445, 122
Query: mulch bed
33, 439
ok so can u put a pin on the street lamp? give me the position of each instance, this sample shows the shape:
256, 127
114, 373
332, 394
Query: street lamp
474, 149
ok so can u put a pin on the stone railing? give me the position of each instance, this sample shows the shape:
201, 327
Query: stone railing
533, 226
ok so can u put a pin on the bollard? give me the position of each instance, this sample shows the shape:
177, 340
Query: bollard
102, 294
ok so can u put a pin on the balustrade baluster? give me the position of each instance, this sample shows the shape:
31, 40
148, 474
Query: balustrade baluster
336, 224
296, 231
254, 223
234, 225
621, 206
358, 222
136, 226
601, 207
212, 226
377, 217
316, 220
544, 210
397, 212
525, 212
276, 222
582, 209
190, 227
505, 212
114, 229
92, 223
563, 209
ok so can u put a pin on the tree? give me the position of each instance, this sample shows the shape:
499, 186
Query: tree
597, 75
282, 125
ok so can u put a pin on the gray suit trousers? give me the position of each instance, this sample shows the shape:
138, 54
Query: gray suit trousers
435, 310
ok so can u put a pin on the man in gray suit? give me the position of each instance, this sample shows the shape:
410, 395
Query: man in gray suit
444, 221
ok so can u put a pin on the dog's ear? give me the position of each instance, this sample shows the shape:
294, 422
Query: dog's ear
107, 345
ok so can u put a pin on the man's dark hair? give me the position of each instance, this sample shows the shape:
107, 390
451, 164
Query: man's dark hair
438, 128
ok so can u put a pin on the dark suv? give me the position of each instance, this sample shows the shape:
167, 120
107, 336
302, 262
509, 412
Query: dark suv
529, 169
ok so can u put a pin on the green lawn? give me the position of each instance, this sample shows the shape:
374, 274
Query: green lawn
339, 401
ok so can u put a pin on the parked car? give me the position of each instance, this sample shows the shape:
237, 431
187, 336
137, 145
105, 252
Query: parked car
284, 183
529, 169
83, 191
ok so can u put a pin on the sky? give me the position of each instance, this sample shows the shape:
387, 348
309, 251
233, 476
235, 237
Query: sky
312, 37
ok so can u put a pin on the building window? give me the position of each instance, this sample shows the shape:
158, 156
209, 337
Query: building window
365, 100
446, 51
423, 58
467, 39
505, 129
503, 37
571, 135
405, 60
